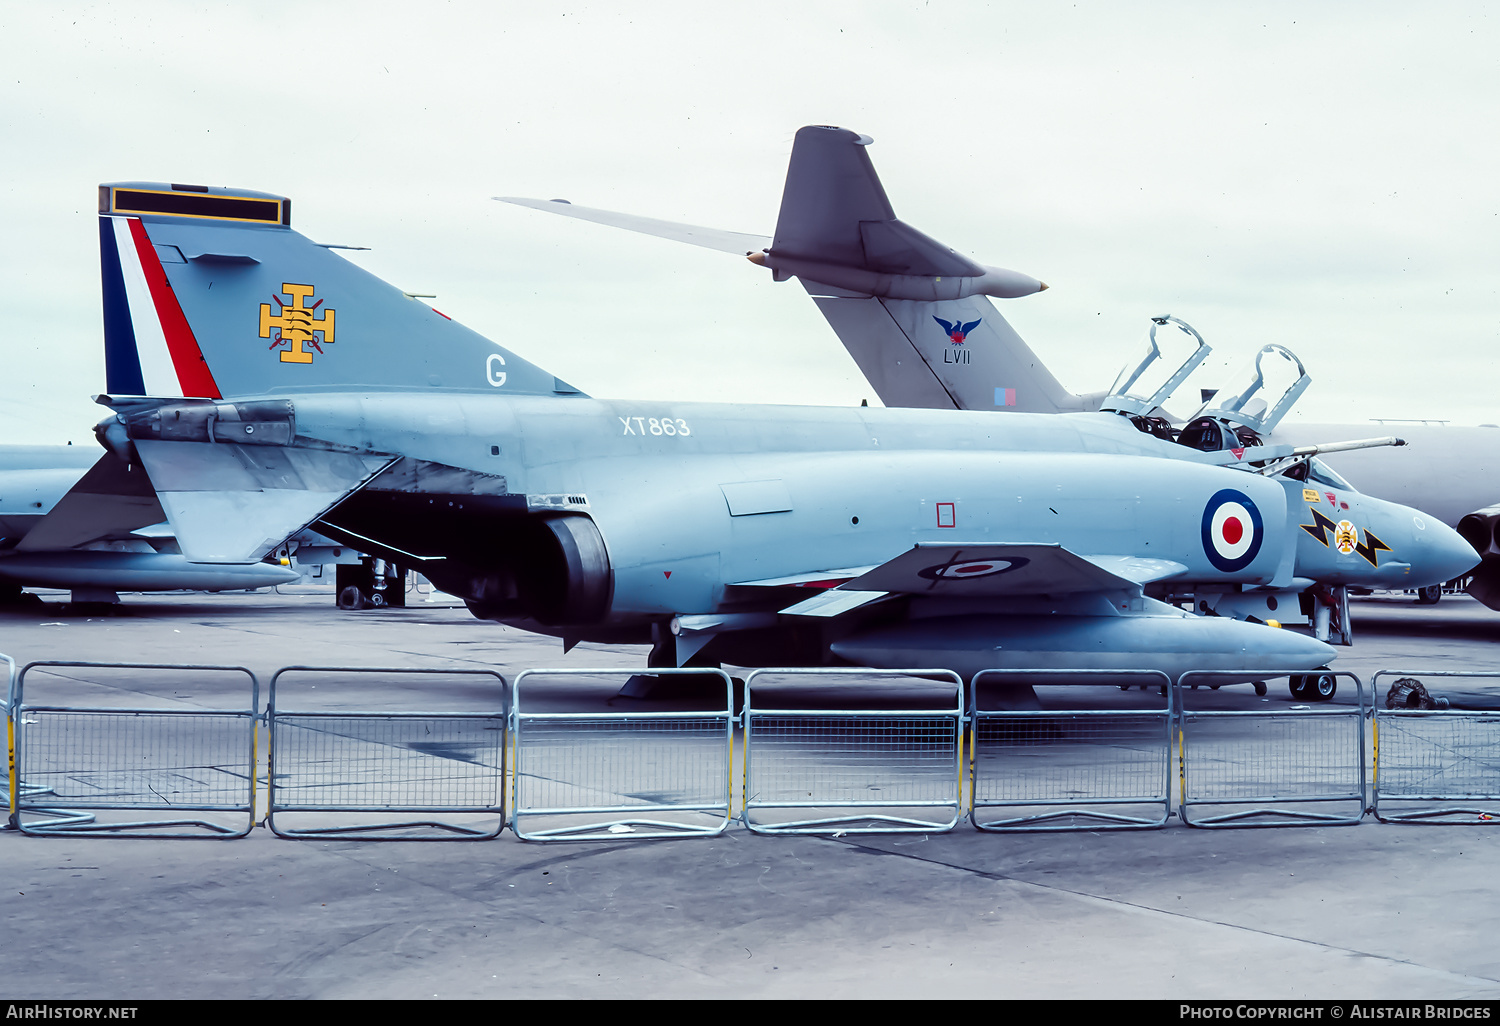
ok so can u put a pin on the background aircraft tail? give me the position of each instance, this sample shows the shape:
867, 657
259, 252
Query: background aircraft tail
912, 312
209, 293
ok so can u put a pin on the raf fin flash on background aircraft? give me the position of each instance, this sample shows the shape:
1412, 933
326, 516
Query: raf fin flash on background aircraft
756, 535
916, 318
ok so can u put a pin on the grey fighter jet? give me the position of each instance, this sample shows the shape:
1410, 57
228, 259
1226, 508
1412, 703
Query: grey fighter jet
755, 535
917, 319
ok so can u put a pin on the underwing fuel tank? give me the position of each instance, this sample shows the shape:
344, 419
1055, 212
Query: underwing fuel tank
136, 571
1168, 640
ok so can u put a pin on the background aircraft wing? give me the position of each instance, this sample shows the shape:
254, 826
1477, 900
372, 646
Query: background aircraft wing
110, 501
709, 238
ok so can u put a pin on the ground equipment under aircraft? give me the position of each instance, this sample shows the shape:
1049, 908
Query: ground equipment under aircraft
755, 535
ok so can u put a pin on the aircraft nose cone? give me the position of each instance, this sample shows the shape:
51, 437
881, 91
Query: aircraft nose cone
1442, 554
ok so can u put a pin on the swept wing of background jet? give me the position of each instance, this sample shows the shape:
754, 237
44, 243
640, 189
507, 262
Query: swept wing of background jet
55, 532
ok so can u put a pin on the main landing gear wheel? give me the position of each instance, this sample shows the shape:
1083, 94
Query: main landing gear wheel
1313, 687
1430, 595
1260, 688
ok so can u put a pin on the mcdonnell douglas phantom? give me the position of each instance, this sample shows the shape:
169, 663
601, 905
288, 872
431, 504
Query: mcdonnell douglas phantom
917, 318
312, 394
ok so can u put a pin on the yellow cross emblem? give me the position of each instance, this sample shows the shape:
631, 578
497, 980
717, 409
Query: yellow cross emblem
296, 324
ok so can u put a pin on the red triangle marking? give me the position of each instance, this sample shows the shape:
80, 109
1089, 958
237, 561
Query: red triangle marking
667, 573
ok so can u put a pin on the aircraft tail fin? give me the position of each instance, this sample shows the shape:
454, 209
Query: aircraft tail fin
957, 354
209, 293
913, 312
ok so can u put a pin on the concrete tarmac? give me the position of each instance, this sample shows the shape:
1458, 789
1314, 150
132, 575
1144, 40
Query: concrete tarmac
1367, 912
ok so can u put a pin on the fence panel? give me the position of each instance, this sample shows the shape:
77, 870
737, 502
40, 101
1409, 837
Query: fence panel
586, 775
1272, 767
337, 767
864, 765
1434, 765
74, 761
1085, 769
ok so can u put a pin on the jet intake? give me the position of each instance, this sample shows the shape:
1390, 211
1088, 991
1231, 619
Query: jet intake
1480, 529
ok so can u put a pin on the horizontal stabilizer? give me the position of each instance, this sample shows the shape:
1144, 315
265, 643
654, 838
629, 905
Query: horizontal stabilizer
231, 503
995, 571
834, 210
709, 238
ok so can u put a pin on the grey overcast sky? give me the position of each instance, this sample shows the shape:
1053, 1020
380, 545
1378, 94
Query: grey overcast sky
1319, 175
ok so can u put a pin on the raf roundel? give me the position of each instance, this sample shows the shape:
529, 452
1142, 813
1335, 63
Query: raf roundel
1232, 530
959, 571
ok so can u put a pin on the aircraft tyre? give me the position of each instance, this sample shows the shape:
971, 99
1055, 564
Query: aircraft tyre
1430, 595
1260, 688
1321, 686
351, 598
1297, 685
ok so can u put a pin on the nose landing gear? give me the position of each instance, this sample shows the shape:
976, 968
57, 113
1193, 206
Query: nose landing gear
1313, 687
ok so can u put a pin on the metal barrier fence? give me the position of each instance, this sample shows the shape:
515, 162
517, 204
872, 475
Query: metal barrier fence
892, 762
73, 761
1444, 762
350, 763
1276, 762
590, 775
1086, 769
10, 731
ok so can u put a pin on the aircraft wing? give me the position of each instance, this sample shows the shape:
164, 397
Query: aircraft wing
111, 500
709, 238
989, 571
992, 571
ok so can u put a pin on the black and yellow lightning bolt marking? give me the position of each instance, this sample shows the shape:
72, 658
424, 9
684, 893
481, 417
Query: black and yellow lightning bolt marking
1320, 528
1372, 548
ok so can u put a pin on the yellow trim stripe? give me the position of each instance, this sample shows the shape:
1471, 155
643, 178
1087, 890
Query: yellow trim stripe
10, 731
